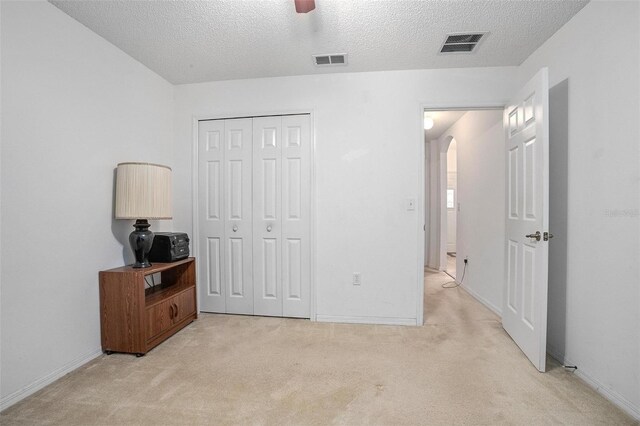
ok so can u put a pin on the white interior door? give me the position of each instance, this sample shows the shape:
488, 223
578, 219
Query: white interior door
267, 217
238, 270
524, 313
224, 211
210, 212
296, 215
281, 216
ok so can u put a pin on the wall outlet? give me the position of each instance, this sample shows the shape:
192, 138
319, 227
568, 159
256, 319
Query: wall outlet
357, 278
411, 204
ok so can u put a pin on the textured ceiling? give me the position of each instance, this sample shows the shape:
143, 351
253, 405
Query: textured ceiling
196, 41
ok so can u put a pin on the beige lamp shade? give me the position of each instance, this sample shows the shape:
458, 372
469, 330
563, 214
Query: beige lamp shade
143, 191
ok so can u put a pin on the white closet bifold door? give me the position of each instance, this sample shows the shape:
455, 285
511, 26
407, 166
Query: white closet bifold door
224, 211
254, 184
238, 274
210, 238
267, 215
296, 210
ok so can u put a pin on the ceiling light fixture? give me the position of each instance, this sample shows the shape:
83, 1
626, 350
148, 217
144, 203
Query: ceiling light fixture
304, 6
428, 123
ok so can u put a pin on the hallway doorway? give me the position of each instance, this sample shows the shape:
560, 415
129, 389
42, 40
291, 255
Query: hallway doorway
465, 199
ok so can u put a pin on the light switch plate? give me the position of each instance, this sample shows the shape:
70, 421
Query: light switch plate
357, 278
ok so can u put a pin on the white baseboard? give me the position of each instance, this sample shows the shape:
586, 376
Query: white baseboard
366, 320
482, 300
620, 401
40, 383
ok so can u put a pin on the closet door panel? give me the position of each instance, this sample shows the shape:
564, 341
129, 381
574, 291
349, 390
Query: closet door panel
296, 198
211, 221
267, 202
238, 274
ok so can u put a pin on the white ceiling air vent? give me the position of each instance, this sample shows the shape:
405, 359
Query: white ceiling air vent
330, 59
462, 43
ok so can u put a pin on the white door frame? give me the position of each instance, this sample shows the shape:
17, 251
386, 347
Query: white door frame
313, 205
421, 223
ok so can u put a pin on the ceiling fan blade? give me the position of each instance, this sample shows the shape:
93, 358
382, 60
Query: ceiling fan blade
304, 6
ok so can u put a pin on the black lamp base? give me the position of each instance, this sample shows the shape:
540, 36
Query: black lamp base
141, 240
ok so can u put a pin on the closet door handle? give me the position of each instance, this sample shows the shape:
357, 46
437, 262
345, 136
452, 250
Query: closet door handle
176, 311
235, 228
269, 228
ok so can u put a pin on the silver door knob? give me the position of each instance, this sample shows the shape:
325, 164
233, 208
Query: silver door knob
535, 236
547, 236
235, 228
269, 228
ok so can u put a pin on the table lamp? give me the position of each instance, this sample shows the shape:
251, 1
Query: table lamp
143, 191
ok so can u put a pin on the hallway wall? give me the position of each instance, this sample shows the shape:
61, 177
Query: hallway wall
480, 178
452, 183
432, 204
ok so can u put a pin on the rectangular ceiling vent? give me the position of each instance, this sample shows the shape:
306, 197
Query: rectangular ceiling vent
461, 43
330, 59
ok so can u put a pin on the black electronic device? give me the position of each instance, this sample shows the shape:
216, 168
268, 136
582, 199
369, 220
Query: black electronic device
169, 247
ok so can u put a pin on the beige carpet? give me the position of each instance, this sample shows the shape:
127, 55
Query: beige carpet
451, 265
460, 368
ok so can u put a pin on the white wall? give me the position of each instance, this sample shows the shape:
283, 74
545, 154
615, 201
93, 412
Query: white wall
594, 302
368, 136
1, 138
73, 106
480, 235
432, 205
452, 179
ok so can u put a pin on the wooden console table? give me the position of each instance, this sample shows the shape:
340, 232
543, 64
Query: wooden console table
134, 318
